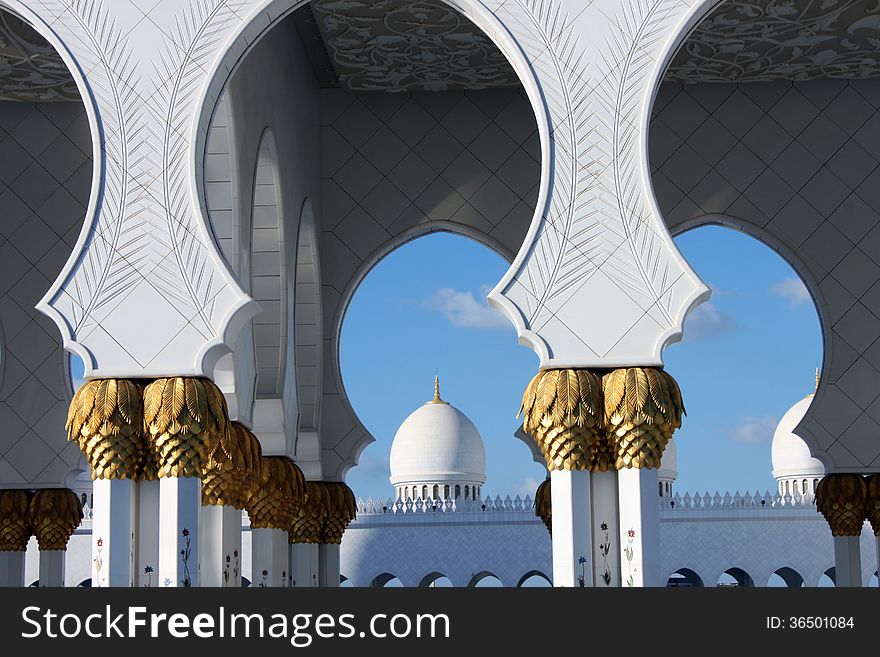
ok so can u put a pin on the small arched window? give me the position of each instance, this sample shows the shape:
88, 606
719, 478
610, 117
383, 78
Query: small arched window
786, 488
457, 491
424, 492
794, 487
806, 487
446, 492
660, 488
467, 491
436, 491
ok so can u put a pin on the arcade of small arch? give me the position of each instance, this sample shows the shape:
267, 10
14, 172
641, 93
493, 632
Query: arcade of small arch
241, 212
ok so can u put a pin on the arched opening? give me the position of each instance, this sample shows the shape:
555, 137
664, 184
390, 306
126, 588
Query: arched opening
345, 583
736, 577
85, 584
484, 579
684, 578
775, 136
786, 577
48, 174
534, 579
408, 145
414, 317
828, 579
435, 580
762, 331
873, 582
385, 580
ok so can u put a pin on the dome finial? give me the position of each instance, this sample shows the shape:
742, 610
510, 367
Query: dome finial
436, 399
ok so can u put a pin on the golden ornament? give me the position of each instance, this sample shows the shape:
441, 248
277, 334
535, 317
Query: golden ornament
15, 520
544, 505
873, 502
341, 510
278, 495
643, 408
105, 421
55, 514
311, 517
184, 419
842, 499
562, 410
233, 468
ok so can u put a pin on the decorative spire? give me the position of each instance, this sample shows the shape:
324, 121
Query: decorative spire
437, 399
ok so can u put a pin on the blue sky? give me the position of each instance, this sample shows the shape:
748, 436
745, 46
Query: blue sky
748, 355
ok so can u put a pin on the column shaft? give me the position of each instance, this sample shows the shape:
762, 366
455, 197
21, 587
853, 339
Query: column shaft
52, 568
847, 561
639, 535
570, 491
220, 546
606, 529
11, 569
113, 529
304, 564
147, 532
269, 557
180, 501
328, 565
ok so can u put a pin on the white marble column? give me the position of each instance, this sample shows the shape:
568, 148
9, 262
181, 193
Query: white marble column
11, 569
606, 529
304, 560
113, 529
220, 546
180, 499
328, 565
570, 495
269, 558
52, 568
847, 561
639, 531
147, 534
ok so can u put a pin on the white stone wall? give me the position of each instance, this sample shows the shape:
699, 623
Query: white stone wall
45, 180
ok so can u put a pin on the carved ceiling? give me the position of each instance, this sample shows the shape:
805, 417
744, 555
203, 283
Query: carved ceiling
756, 40
406, 45
400, 45
30, 69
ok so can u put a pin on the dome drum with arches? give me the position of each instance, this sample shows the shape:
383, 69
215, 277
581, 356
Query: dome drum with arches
438, 453
795, 469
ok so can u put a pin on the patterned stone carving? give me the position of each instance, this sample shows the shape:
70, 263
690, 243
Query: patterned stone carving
756, 40
146, 251
600, 246
55, 513
30, 68
402, 45
842, 499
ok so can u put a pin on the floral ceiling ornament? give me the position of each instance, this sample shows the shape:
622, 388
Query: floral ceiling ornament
30, 68
755, 40
383, 45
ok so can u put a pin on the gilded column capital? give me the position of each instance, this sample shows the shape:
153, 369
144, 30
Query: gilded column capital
105, 420
873, 502
643, 408
311, 516
842, 499
232, 469
55, 514
544, 505
15, 520
279, 493
184, 419
341, 510
563, 412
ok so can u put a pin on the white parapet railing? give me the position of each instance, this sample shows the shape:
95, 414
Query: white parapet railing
485, 505
737, 500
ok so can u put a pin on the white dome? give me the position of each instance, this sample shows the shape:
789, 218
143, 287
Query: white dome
790, 454
669, 462
437, 443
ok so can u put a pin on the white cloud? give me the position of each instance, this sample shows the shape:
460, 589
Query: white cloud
792, 290
753, 430
462, 309
708, 321
527, 486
